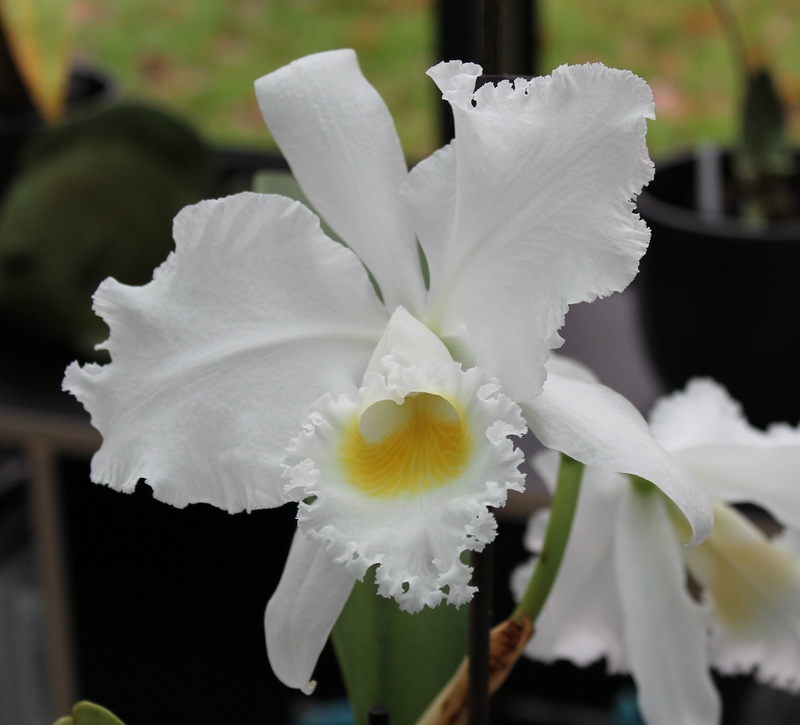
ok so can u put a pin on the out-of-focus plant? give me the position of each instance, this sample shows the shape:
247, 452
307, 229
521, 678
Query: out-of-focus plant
36, 34
763, 161
87, 713
113, 178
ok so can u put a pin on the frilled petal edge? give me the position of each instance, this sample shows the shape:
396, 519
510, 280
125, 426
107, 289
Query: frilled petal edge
216, 361
404, 474
544, 174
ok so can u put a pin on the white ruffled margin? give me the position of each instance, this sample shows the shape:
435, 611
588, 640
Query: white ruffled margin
417, 540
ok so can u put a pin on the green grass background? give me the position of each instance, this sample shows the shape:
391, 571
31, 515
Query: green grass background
199, 57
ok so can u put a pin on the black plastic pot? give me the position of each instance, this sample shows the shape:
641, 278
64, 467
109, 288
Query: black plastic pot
719, 297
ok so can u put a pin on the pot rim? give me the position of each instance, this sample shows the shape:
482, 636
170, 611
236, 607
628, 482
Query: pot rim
721, 226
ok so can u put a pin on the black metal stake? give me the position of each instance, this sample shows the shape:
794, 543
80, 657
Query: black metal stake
480, 620
378, 715
480, 613
491, 45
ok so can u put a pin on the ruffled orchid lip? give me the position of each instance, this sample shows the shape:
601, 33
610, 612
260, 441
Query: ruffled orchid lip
419, 456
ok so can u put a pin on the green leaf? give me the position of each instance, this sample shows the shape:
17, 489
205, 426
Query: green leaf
764, 163
764, 144
395, 659
87, 713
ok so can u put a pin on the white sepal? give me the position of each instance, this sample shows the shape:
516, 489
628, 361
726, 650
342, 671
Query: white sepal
340, 141
301, 613
598, 427
665, 630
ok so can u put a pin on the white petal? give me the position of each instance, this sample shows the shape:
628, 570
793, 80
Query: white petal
301, 613
704, 413
216, 361
582, 618
340, 141
566, 367
409, 494
594, 425
767, 477
707, 431
753, 586
429, 194
544, 174
664, 628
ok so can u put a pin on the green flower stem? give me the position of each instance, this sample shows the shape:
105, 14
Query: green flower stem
562, 511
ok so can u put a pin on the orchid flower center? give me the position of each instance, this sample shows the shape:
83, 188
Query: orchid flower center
408, 448
745, 573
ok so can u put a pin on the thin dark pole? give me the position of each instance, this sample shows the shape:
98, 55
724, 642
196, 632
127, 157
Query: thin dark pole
480, 613
491, 46
378, 715
480, 622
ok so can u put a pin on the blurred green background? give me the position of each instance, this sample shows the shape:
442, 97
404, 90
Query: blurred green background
200, 57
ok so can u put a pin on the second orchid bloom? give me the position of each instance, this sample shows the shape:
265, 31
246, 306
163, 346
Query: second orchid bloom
622, 591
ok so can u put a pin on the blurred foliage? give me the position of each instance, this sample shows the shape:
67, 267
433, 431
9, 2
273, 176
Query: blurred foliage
395, 659
202, 57
95, 198
763, 162
681, 49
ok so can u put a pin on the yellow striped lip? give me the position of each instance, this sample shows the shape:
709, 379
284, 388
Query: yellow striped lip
402, 449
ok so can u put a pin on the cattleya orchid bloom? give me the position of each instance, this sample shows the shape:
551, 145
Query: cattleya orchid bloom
260, 367
621, 592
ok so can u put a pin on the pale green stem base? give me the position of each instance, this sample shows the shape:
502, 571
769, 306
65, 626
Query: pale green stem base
562, 511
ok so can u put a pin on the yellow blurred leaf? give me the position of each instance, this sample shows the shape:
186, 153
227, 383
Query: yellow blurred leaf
37, 33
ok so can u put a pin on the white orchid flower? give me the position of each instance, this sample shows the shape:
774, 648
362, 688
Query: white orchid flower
621, 592
259, 366
751, 581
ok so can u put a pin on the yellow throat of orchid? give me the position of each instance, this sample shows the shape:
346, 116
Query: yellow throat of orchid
405, 449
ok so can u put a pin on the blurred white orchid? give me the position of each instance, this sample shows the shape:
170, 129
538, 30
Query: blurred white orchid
621, 592
259, 366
